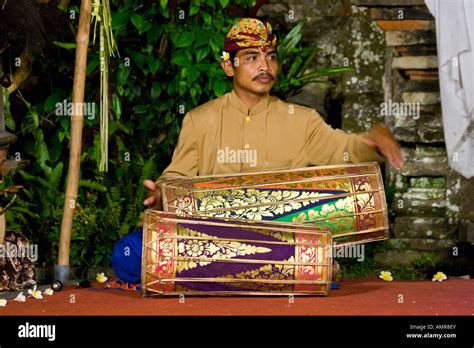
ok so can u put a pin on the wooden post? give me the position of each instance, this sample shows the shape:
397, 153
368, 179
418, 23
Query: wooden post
82, 39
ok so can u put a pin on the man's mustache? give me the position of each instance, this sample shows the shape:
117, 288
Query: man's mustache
265, 74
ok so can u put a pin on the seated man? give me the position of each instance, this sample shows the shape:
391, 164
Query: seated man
277, 134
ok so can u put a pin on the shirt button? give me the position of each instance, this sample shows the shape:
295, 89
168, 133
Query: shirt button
247, 146
248, 119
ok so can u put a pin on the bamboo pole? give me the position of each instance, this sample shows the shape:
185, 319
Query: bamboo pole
82, 40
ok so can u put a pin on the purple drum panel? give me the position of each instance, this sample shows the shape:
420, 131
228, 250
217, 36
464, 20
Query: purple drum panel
209, 256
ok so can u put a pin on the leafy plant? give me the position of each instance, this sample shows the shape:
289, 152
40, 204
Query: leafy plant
295, 62
168, 65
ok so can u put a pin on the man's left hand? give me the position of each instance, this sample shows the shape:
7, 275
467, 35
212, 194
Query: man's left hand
382, 138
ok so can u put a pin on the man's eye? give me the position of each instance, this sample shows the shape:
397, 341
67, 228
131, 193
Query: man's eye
272, 56
252, 57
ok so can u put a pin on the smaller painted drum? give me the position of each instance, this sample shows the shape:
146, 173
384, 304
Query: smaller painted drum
208, 256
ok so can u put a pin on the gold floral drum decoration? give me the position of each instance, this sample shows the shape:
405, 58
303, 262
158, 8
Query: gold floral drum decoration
349, 200
209, 256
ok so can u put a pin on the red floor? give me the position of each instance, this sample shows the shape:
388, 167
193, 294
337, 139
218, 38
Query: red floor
369, 296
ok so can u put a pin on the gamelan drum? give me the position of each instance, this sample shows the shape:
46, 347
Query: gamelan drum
208, 256
349, 200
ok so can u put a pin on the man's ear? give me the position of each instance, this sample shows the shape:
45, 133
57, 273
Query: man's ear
228, 69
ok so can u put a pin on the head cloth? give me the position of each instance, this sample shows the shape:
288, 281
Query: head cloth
249, 33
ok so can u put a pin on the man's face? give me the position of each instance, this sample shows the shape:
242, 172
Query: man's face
254, 70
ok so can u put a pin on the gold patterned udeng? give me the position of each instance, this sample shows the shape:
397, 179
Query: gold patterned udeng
250, 32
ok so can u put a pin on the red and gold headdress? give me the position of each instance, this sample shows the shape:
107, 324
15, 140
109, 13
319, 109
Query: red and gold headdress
248, 33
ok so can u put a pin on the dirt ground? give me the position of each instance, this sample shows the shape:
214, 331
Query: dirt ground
369, 296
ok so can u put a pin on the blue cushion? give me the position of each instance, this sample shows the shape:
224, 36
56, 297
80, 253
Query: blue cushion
127, 257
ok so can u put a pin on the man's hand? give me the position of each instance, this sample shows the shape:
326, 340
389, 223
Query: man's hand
154, 200
382, 138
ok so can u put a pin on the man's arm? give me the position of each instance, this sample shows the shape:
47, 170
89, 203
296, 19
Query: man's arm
382, 138
326, 146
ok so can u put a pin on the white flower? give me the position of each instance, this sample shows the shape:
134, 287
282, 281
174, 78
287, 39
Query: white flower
101, 278
387, 276
440, 276
20, 297
3, 302
225, 56
35, 293
48, 292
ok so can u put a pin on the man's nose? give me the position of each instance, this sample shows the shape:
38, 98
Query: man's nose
264, 66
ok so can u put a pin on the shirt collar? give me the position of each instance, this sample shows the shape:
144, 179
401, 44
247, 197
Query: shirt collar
262, 105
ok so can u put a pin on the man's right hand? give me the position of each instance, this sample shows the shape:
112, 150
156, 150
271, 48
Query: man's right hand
154, 200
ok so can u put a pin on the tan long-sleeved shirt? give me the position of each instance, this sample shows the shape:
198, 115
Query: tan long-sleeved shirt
224, 136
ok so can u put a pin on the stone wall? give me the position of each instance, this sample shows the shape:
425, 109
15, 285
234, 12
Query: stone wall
346, 36
427, 196
392, 46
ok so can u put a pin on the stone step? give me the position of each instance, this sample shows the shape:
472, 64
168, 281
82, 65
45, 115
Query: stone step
412, 125
428, 167
417, 62
420, 133
424, 98
420, 86
466, 231
419, 50
400, 13
409, 24
422, 244
421, 228
429, 200
424, 161
430, 135
415, 207
388, 3
419, 184
407, 258
406, 134
429, 74
408, 38
423, 151
415, 135
424, 193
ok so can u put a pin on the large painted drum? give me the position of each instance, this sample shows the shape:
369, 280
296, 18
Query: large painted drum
349, 200
208, 256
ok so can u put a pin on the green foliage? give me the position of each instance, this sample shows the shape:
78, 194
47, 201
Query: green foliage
404, 273
168, 63
295, 62
427, 260
352, 268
